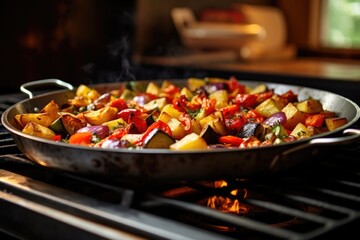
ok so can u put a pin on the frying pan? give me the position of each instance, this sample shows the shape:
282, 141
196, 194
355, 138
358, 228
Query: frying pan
163, 164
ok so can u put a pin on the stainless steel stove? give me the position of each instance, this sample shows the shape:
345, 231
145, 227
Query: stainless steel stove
317, 200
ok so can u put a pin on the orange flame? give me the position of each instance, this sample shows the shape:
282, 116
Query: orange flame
226, 204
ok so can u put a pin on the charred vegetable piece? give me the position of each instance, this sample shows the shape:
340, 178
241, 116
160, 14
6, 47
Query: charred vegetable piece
334, 123
58, 127
150, 119
310, 106
71, 123
158, 139
97, 117
251, 129
38, 130
101, 131
210, 135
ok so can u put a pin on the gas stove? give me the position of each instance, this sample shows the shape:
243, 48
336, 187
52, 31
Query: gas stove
316, 200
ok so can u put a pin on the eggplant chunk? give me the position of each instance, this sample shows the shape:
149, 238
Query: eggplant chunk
252, 129
158, 139
209, 135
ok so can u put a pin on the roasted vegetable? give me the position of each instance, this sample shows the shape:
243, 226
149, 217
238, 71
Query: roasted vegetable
191, 141
204, 113
38, 130
293, 116
334, 123
251, 129
309, 106
210, 135
158, 139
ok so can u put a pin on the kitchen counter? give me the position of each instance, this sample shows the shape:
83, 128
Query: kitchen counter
330, 69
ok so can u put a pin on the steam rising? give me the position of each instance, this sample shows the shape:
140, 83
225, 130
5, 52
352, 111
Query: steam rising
114, 66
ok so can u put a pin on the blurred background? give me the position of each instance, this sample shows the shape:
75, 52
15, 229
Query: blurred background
88, 41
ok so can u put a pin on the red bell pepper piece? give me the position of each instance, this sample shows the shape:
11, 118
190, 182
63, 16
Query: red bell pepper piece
234, 85
290, 96
56, 138
254, 116
82, 138
185, 119
119, 103
246, 100
316, 120
127, 114
232, 140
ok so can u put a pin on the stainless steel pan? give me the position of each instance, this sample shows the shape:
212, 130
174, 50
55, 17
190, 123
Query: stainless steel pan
150, 164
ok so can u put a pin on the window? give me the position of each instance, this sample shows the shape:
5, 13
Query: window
338, 24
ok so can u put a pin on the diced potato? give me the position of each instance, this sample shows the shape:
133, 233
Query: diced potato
82, 90
165, 117
158, 103
165, 84
280, 102
153, 89
43, 119
258, 89
221, 97
100, 116
215, 121
196, 127
334, 123
114, 124
93, 95
293, 116
53, 109
300, 131
310, 106
195, 83
177, 128
268, 107
191, 141
38, 130
169, 109
87, 92
79, 101
186, 92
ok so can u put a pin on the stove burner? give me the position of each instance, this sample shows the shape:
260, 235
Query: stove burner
245, 200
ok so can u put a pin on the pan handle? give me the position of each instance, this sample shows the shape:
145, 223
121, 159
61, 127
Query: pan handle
24, 87
349, 135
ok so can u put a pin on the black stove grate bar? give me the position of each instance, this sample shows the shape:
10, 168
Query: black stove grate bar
69, 205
